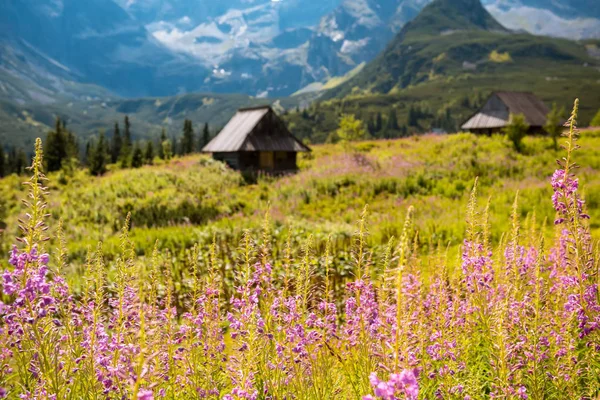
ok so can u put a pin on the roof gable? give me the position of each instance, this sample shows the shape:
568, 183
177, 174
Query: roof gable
526, 103
496, 111
234, 134
245, 133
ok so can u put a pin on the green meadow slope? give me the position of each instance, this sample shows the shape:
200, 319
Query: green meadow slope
192, 199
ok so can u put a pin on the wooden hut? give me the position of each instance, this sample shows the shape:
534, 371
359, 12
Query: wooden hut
495, 113
256, 139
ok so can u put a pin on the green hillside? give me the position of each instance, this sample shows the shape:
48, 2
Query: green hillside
191, 199
461, 38
443, 64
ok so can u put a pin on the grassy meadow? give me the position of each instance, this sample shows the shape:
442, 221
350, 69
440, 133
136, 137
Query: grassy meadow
188, 280
193, 199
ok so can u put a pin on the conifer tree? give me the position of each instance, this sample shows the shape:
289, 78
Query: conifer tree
392, 122
117, 144
371, 125
149, 154
72, 145
161, 144
413, 116
137, 159
378, 122
56, 147
187, 141
99, 155
126, 146
403, 131
88, 152
127, 134
21, 162
205, 137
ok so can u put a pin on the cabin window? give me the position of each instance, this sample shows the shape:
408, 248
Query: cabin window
280, 156
267, 160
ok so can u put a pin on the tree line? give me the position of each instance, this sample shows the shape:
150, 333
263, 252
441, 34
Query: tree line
122, 150
62, 150
13, 160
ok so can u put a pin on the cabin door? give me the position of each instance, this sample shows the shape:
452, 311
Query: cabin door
267, 160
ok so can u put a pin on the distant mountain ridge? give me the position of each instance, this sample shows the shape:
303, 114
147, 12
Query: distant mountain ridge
460, 37
257, 47
450, 49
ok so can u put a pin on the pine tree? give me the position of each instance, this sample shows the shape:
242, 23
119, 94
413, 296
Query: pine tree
116, 145
403, 131
99, 156
187, 141
127, 135
126, 146
21, 162
137, 159
371, 125
88, 152
161, 143
149, 154
56, 147
205, 137
392, 122
72, 145
413, 116
378, 122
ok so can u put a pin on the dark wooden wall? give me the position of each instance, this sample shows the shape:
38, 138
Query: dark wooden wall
250, 161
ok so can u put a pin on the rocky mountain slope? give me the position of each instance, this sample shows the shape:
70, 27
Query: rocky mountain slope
257, 47
454, 38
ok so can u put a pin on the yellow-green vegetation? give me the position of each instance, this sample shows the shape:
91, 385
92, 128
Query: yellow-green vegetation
497, 57
333, 82
351, 129
596, 120
338, 80
192, 199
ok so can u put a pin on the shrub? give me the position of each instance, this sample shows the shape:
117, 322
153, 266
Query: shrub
516, 130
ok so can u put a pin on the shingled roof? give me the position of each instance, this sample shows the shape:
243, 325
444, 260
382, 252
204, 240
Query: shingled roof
492, 115
241, 134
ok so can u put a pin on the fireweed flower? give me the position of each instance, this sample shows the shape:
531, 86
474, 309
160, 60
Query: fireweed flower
361, 313
145, 395
478, 273
400, 386
566, 196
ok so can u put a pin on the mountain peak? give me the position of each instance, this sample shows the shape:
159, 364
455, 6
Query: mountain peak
453, 15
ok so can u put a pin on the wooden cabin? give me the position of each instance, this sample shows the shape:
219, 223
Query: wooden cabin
256, 139
495, 113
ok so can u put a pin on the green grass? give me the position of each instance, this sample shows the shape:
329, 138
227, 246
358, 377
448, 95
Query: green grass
193, 199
